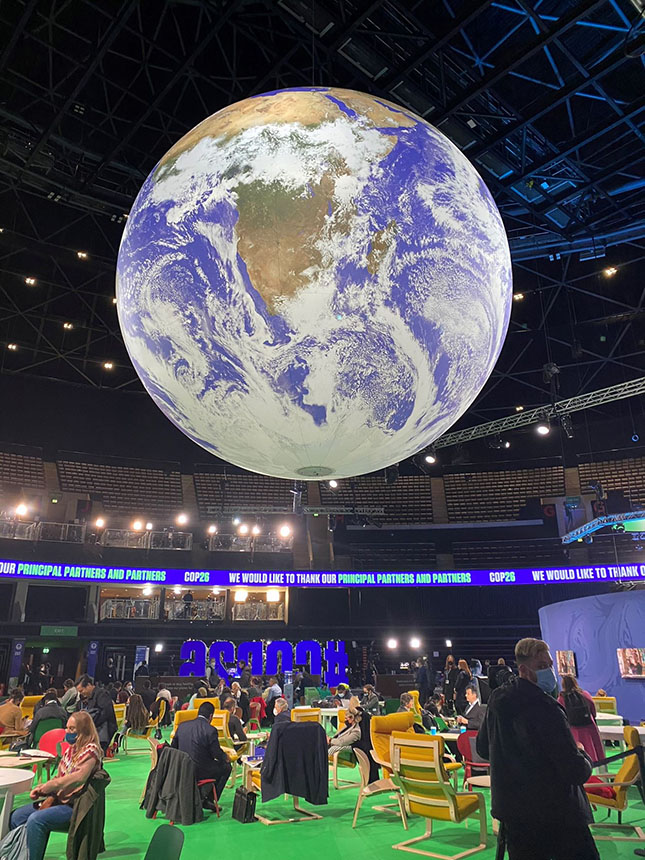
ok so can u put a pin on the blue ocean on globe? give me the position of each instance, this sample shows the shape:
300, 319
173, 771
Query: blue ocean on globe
314, 283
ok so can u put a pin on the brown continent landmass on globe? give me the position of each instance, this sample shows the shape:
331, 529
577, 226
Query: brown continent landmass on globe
277, 229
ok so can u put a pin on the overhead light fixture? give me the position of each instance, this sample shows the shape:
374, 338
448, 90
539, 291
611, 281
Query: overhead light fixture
31, 282
212, 530
430, 456
543, 428
415, 642
333, 485
68, 326
285, 531
567, 425
114, 300
392, 644
149, 527
21, 509
256, 530
243, 529
448, 643
147, 590
610, 271
181, 519
519, 408
177, 589
12, 347
45, 650
137, 525
99, 522
82, 255
241, 595
107, 365
517, 297
236, 521
273, 595
158, 647
215, 590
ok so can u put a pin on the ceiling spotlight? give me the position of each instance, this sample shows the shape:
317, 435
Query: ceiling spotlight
236, 521
158, 647
177, 589
415, 642
519, 409
107, 365
567, 425
114, 300
99, 523
430, 456
543, 428
68, 326
448, 643
240, 595
517, 297
392, 644
21, 509
215, 590
243, 529
31, 282
273, 595
137, 525
147, 590
285, 531
610, 271
333, 485
12, 346
149, 527
497, 443
181, 519
82, 255
212, 530
256, 530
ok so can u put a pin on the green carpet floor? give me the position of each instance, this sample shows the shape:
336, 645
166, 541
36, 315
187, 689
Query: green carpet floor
128, 832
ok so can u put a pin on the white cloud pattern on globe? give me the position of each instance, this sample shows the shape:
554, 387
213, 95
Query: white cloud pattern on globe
314, 283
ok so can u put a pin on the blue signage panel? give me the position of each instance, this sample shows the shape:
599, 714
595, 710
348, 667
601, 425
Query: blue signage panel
329, 661
56, 572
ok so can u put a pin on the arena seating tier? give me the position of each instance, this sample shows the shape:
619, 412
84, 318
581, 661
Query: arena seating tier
216, 490
626, 475
489, 496
124, 488
393, 556
509, 554
408, 501
22, 469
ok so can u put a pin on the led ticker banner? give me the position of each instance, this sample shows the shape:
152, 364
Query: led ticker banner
55, 572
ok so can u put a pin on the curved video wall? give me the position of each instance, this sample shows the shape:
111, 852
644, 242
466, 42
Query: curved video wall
595, 628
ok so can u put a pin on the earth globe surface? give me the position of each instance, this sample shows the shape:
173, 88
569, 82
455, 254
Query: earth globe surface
314, 283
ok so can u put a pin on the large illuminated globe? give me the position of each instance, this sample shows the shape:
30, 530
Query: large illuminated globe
314, 283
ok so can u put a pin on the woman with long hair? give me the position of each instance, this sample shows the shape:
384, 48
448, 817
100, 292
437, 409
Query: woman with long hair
464, 678
450, 674
137, 716
581, 711
51, 808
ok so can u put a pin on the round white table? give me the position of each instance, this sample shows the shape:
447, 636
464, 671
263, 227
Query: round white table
12, 782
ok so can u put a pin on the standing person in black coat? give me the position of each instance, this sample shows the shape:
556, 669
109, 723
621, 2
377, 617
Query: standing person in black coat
537, 771
199, 740
493, 671
450, 674
464, 678
422, 679
97, 702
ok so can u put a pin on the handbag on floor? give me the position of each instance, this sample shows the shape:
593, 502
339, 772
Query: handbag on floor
244, 805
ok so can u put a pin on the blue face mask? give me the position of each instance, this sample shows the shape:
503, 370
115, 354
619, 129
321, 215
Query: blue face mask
546, 679
70, 737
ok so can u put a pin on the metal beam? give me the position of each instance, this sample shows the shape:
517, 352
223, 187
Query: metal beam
562, 407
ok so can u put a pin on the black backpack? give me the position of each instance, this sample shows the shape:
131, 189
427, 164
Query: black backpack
244, 805
577, 709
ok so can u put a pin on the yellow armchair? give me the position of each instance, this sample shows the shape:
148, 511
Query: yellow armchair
27, 706
419, 771
381, 729
305, 715
214, 700
618, 783
182, 717
605, 704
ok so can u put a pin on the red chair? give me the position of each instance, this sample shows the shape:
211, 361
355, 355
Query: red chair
470, 759
54, 743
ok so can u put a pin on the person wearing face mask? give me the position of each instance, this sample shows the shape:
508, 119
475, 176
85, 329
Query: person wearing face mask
537, 770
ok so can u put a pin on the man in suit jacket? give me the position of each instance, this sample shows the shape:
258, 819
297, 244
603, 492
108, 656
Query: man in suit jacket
474, 714
198, 738
235, 727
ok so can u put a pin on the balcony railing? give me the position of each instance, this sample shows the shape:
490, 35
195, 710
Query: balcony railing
198, 610
147, 539
129, 608
258, 611
249, 543
56, 532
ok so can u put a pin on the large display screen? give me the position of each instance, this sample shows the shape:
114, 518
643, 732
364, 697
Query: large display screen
57, 572
631, 662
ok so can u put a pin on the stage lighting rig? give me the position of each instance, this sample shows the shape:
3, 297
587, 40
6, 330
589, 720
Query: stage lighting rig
392, 474
567, 425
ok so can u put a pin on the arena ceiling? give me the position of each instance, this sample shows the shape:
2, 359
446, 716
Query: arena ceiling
545, 97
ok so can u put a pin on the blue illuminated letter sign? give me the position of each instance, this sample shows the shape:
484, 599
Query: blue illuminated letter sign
280, 656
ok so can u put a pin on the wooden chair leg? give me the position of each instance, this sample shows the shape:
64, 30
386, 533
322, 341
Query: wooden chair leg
357, 808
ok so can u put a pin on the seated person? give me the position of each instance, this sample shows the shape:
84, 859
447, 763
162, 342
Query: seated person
345, 738
281, 711
50, 709
46, 698
406, 703
77, 765
235, 727
147, 694
11, 719
137, 718
70, 697
201, 693
370, 701
344, 694
198, 739
474, 714
242, 700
